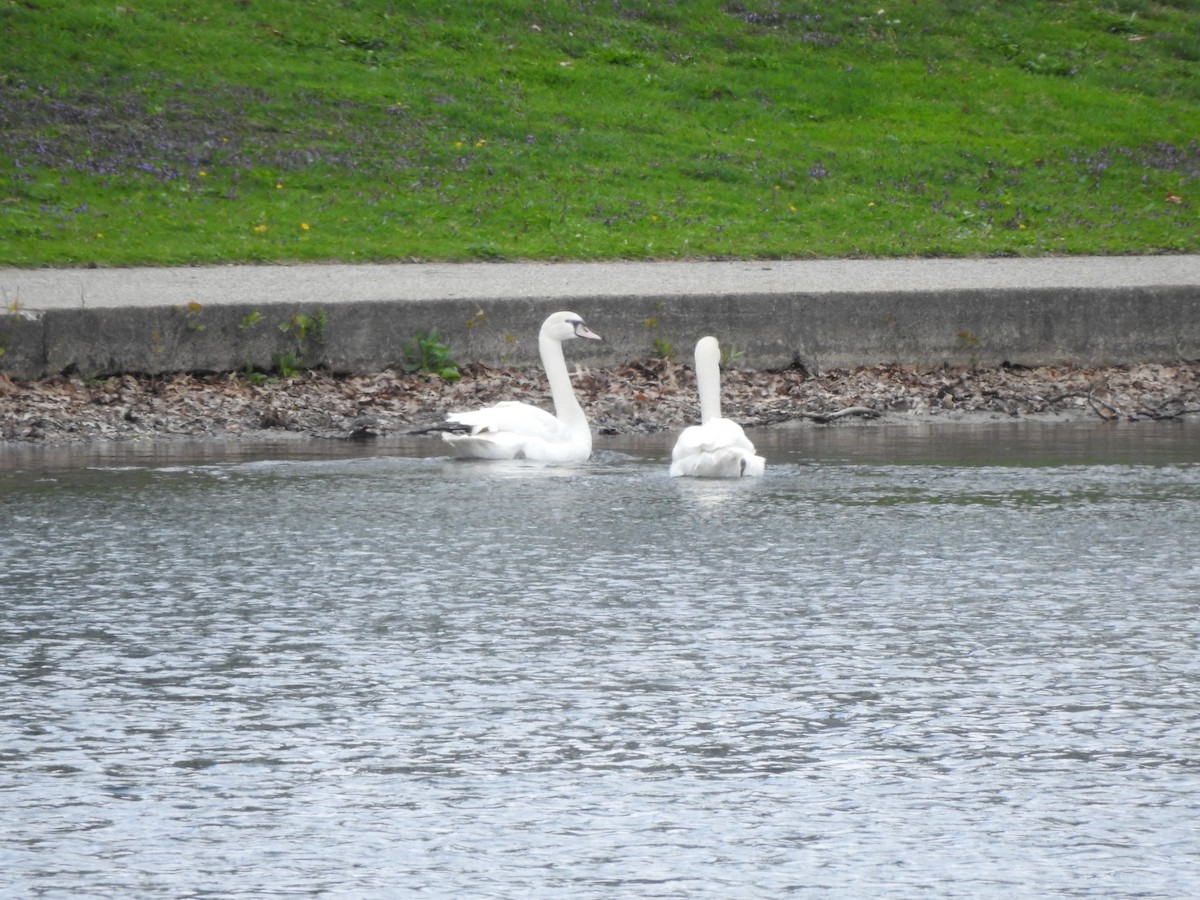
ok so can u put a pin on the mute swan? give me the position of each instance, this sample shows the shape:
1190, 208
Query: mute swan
717, 447
514, 430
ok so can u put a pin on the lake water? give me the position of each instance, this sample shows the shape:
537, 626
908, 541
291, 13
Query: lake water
954, 662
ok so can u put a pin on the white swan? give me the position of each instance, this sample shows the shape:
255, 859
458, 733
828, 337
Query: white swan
717, 447
515, 430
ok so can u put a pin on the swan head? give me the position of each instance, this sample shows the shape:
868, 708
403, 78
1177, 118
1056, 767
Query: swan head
708, 351
563, 326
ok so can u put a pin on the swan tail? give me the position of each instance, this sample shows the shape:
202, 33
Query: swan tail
722, 462
753, 466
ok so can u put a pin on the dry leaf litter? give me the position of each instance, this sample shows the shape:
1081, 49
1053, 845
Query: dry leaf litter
639, 397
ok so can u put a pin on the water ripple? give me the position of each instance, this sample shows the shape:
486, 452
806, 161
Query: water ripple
375, 676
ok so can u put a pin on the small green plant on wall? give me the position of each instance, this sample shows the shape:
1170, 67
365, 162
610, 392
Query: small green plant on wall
429, 355
305, 327
306, 330
286, 364
191, 316
250, 320
663, 349
972, 343
253, 376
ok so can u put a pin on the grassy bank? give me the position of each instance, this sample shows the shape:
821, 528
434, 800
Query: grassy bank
250, 130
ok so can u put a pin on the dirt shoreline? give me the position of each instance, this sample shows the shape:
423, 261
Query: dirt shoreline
640, 397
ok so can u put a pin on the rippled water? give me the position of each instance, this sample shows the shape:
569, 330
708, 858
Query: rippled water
905, 663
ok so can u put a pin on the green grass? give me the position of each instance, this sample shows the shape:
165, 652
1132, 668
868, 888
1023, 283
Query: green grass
156, 132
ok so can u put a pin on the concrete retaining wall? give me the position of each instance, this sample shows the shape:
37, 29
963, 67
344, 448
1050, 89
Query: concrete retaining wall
771, 325
832, 331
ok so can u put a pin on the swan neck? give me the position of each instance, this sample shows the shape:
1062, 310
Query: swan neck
566, 406
708, 385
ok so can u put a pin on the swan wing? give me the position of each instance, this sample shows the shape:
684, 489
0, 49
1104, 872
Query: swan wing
488, 445
507, 445
514, 418
514, 430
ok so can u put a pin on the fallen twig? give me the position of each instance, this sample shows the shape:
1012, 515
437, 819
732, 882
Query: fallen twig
824, 418
1093, 402
1159, 416
821, 418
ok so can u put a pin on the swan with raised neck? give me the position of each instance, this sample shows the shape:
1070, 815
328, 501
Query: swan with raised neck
717, 447
515, 430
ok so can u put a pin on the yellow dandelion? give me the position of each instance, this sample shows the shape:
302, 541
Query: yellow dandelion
278, 186
260, 229
480, 142
791, 207
202, 174
458, 144
99, 234
304, 226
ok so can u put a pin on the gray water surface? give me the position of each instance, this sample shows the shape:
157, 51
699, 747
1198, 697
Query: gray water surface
907, 662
